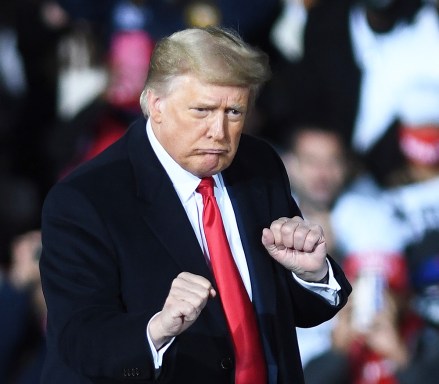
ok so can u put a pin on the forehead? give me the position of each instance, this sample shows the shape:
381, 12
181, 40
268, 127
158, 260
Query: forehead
318, 141
196, 89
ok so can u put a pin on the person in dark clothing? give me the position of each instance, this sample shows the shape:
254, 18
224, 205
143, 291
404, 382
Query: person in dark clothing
129, 271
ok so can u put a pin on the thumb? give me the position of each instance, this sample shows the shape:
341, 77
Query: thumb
268, 240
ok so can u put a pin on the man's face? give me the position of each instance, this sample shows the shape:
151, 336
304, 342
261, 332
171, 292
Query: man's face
199, 124
317, 169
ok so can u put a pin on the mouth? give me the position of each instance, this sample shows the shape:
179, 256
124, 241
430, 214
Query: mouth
213, 151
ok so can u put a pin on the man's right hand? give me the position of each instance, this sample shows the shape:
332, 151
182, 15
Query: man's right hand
187, 298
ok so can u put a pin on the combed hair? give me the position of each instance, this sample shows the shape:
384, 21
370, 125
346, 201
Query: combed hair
214, 55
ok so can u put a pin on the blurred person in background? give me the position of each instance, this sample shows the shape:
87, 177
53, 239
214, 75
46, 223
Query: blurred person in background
23, 320
12, 84
360, 58
423, 261
373, 336
287, 33
318, 168
20, 211
413, 197
414, 200
404, 219
287, 40
14, 322
99, 101
39, 26
408, 209
418, 135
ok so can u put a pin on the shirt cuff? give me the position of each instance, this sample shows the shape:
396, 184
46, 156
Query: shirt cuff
328, 291
157, 355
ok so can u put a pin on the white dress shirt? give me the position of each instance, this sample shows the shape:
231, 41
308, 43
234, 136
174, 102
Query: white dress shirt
185, 185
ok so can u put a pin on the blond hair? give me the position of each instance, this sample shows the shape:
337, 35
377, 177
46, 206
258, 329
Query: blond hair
213, 54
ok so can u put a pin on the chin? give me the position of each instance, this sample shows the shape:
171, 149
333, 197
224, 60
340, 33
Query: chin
214, 168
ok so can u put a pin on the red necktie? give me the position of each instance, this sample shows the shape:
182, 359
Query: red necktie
250, 363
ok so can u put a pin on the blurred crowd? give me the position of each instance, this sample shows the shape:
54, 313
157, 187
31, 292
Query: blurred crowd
352, 107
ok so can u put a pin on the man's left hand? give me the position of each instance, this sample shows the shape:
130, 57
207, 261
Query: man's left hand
299, 246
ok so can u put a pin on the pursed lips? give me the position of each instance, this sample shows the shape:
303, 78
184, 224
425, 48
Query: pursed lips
213, 151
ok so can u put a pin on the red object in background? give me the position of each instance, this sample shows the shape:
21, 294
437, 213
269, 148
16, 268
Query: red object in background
392, 266
129, 56
420, 144
128, 64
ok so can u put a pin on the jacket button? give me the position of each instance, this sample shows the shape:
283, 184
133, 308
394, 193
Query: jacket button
226, 363
131, 372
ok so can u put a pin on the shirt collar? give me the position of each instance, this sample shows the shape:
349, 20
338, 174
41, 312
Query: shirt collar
183, 181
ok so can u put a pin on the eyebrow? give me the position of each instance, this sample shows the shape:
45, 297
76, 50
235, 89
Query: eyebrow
207, 105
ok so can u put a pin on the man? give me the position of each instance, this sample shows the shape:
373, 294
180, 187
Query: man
128, 268
317, 166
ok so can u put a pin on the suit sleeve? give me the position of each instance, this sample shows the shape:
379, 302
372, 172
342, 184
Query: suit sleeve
310, 308
271, 194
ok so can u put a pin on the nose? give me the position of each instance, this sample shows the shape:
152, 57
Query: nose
217, 126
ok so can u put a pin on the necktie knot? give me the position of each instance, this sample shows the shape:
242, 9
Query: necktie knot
206, 186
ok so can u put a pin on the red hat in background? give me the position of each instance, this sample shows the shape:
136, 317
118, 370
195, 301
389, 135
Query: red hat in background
419, 122
420, 144
391, 266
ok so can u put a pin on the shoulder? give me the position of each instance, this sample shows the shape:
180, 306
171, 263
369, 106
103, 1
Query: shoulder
101, 172
258, 149
256, 154
258, 163
115, 159
108, 173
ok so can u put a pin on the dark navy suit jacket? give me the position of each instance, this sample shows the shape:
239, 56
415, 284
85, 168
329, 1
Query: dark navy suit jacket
115, 235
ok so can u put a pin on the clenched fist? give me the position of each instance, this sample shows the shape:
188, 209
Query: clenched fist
297, 245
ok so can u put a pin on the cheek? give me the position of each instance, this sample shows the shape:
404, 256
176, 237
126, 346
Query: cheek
235, 135
339, 176
175, 143
180, 145
181, 132
234, 143
336, 174
184, 145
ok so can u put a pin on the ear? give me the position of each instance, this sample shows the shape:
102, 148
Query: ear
154, 106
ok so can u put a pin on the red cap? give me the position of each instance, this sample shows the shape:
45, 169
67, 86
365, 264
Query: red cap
392, 266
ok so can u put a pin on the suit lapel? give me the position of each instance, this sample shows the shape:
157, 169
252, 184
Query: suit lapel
161, 208
250, 204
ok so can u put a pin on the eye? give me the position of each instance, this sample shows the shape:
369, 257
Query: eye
234, 114
200, 111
